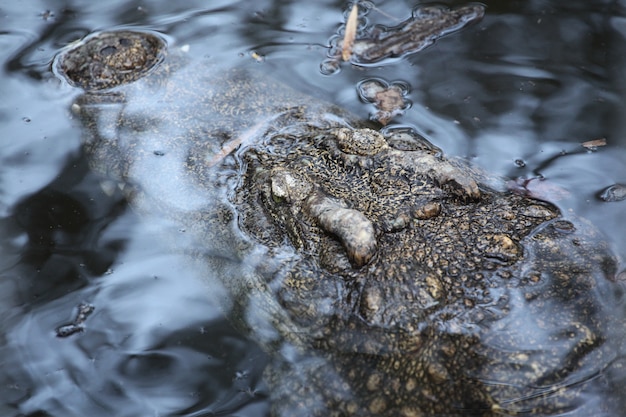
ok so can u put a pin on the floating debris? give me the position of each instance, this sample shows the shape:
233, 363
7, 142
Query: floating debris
594, 144
244, 138
257, 57
423, 28
616, 192
47, 15
84, 310
388, 98
350, 35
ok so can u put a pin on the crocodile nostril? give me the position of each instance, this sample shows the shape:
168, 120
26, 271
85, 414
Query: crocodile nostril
108, 50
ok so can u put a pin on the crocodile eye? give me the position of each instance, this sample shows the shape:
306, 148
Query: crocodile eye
363, 142
287, 187
277, 199
280, 187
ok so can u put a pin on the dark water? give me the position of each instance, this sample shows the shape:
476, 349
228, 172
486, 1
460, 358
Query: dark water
516, 93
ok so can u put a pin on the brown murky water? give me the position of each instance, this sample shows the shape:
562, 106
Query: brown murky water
519, 93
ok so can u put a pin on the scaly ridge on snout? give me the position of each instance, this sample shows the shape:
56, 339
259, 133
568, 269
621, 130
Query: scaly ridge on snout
351, 227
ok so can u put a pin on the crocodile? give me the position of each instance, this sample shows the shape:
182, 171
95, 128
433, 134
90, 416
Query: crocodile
385, 278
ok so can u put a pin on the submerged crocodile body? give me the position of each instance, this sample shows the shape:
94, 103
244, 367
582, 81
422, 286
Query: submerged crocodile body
387, 279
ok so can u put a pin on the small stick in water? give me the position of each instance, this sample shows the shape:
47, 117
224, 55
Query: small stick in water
350, 35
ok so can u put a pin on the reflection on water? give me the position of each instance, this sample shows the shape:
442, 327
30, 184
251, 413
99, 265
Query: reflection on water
529, 83
154, 344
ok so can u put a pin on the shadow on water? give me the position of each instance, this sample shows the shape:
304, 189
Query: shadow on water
155, 344
136, 354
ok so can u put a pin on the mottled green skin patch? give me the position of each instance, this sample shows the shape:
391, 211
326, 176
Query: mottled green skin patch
387, 280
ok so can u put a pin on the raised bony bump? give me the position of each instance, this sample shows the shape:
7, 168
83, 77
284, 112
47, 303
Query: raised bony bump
350, 226
354, 230
445, 174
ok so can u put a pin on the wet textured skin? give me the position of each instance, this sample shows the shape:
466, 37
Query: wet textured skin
387, 279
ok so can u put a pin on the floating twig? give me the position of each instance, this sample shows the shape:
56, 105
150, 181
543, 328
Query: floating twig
592, 144
350, 35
